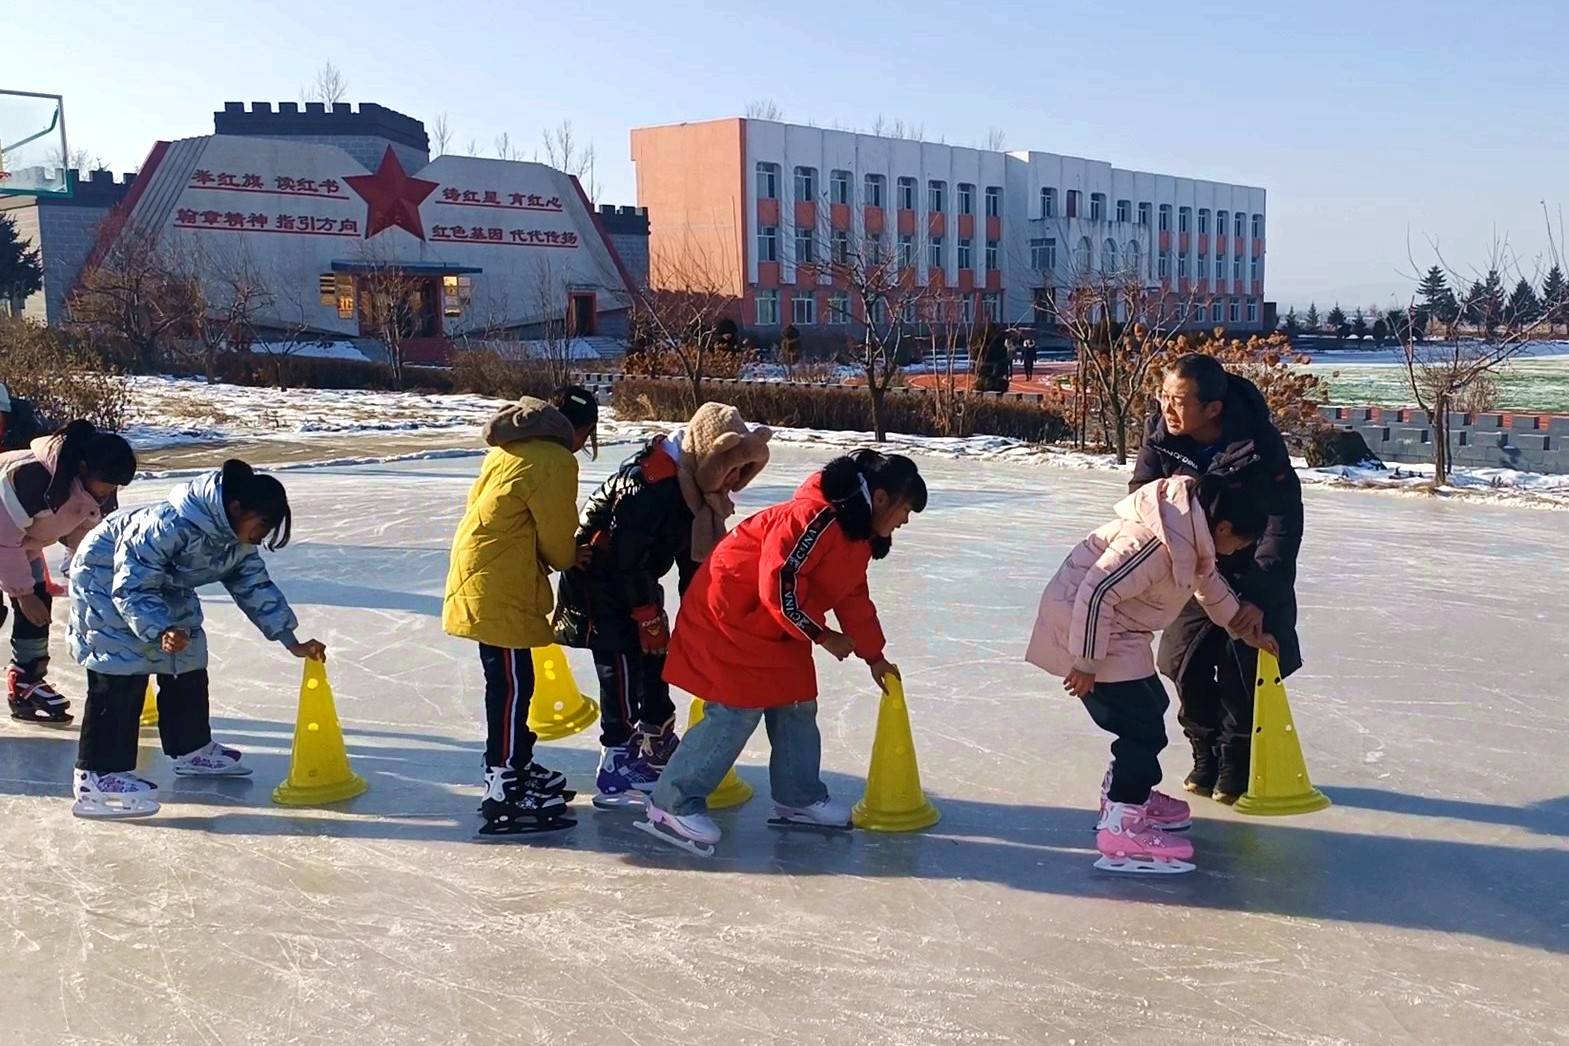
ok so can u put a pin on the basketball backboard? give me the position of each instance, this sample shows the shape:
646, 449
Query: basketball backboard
33, 154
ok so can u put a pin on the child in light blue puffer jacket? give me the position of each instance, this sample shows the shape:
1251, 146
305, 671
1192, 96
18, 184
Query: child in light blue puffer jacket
135, 613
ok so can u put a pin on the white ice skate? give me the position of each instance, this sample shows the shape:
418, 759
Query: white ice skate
827, 814
211, 760
1128, 842
694, 833
113, 795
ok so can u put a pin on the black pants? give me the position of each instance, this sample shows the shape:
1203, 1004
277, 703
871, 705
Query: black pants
29, 642
632, 690
113, 718
1029, 369
1215, 695
509, 686
1135, 713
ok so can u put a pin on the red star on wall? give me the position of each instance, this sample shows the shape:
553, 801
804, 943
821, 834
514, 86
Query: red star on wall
391, 197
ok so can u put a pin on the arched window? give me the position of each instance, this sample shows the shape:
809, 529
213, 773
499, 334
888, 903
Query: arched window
1081, 255
1108, 256
1131, 258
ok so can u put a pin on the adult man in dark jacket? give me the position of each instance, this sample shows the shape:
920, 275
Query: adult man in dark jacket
1206, 413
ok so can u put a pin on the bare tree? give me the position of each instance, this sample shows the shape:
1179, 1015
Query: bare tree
292, 328
78, 159
552, 321
683, 312
329, 86
565, 153
227, 295
441, 133
996, 140
505, 150
1449, 369
392, 303
133, 299
764, 109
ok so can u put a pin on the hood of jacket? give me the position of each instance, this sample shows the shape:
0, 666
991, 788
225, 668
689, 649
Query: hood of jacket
1246, 418
811, 489
201, 502
528, 418
1169, 510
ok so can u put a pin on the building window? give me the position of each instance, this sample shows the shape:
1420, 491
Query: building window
1045, 304
839, 187
991, 307
1164, 265
841, 242
1258, 226
768, 181
875, 184
1182, 265
991, 256
1165, 217
964, 253
1081, 255
872, 246
1220, 223
806, 184
1048, 203
1202, 267
1108, 256
967, 309
1253, 270
994, 201
906, 251
934, 253
1073, 203
803, 310
966, 199
1097, 206
343, 294
1203, 221
1236, 311
1132, 258
936, 191
1236, 268
1241, 223
1124, 210
1217, 312
1220, 269
768, 243
879, 312
907, 311
768, 308
1144, 214
907, 194
803, 245
1184, 219
1043, 254
456, 293
1252, 312
838, 308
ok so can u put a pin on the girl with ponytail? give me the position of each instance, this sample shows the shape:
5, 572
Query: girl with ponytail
54, 491
136, 614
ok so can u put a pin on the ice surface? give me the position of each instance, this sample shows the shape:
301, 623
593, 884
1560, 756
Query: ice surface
1428, 905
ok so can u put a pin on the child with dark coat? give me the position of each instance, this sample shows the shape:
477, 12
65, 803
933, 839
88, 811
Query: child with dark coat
664, 508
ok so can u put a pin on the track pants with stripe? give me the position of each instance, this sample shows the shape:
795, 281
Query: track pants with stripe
509, 684
1134, 712
632, 690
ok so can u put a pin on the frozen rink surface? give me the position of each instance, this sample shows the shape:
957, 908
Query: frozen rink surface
1429, 905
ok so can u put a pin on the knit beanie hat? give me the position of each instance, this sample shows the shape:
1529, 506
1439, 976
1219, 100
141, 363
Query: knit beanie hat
715, 444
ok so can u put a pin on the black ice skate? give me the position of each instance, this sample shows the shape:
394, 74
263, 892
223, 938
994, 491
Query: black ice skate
512, 806
34, 700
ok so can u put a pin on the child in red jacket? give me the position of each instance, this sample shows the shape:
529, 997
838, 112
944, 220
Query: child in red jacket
744, 636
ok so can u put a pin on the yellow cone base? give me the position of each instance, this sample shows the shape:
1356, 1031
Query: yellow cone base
150, 705
318, 762
1278, 784
557, 708
732, 791
894, 801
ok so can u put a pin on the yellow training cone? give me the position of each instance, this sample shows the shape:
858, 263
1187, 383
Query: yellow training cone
894, 801
732, 791
150, 703
319, 765
558, 708
1278, 780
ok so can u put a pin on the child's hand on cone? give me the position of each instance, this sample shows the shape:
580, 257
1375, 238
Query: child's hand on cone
311, 649
1079, 683
882, 668
838, 644
174, 640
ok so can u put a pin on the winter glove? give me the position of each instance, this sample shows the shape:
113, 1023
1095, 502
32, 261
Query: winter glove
653, 629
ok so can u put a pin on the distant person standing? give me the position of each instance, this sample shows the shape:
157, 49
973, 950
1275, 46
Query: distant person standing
1027, 354
18, 422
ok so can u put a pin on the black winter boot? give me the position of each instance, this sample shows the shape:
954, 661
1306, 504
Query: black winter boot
1206, 768
1231, 783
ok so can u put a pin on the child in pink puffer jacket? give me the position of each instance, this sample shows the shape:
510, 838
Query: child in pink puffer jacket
1096, 626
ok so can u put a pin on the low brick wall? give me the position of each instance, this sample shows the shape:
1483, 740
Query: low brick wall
1528, 442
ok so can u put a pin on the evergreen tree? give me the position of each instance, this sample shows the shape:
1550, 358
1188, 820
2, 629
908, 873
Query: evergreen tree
1485, 301
1523, 308
21, 268
1359, 325
1437, 298
1314, 324
1380, 332
1555, 298
1292, 326
1336, 317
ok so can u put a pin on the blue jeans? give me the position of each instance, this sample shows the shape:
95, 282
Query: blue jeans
710, 749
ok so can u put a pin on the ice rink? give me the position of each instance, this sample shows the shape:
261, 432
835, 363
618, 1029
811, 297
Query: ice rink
1429, 905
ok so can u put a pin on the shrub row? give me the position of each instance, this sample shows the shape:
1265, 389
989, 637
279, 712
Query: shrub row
839, 409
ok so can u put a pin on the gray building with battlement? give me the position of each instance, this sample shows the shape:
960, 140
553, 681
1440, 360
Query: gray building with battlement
65, 229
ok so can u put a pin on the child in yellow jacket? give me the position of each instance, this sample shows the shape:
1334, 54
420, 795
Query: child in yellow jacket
520, 524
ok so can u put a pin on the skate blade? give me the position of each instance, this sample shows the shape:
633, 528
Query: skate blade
509, 829
240, 770
621, 801
789, 824
695, 849
44, 719
105, 812
1144, 866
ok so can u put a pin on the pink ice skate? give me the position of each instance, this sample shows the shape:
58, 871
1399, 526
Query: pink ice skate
1165, 812
1130, 843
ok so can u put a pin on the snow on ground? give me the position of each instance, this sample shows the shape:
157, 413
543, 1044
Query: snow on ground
1426, 906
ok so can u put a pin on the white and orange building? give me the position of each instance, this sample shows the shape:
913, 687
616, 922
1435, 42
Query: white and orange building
757, 198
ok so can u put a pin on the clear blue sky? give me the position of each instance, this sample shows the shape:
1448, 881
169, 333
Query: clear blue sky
1370, 124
